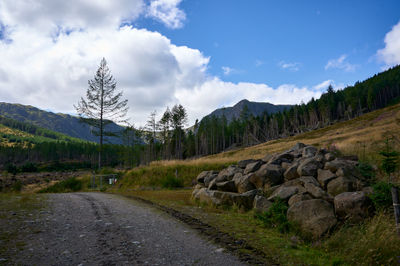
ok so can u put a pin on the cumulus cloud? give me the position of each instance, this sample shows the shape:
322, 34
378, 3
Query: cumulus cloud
341, 63
289, 66
51, 54
390, 54
167, 12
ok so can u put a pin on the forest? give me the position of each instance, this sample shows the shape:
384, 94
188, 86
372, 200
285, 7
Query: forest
168, 138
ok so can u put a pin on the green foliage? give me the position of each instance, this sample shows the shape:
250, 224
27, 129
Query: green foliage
276, 216
382, 197
12, 169
367, 171
29, 167
69, 185
171, 181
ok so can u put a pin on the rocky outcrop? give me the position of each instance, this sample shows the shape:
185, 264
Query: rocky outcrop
313, 182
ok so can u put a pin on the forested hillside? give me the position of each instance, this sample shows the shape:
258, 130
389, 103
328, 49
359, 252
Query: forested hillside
215, 134
63, 123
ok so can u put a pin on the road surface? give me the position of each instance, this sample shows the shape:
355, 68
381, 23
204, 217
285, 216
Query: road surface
105, 229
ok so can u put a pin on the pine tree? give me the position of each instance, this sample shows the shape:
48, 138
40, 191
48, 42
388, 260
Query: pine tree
103, 104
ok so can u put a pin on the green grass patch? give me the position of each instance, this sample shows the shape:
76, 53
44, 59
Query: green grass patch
69, 185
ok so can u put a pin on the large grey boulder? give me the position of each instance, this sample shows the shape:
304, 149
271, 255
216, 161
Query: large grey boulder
308, 179
315, 217
309, 151
283, 193
261, 204
308, 167
324, 177
213, 184
353, 206
291, 172
270, 174
243, 201
340, 185
228, 173
205, 196
201, 178
299, 197
336, 164
210, 177
252, 167
317, 192
228, 186
298, 147
243, 183
243, 163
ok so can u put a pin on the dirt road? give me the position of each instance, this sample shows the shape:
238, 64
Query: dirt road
104, 229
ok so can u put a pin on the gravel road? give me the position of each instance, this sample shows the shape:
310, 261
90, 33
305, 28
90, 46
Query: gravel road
104, 229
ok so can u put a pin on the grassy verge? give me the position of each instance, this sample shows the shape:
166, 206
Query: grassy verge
16, 212
276, 247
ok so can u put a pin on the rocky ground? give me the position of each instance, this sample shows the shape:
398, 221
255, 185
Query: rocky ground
104, 229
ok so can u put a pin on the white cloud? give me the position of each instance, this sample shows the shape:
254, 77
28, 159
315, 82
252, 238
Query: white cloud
390, 54
259, 63
167, 12
227, 70
341, 63
289, 66
51, 71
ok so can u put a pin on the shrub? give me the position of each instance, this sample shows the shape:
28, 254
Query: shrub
29, 167
367, 171
12, 169
276, 216
382, 197
71, 184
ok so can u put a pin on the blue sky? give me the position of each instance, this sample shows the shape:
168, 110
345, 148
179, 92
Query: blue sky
255, 38
202, 54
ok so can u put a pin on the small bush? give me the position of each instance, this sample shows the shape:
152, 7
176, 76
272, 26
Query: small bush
29, 167
171, 181
382, 197
276, 216
367, 171
71, 184
12, 169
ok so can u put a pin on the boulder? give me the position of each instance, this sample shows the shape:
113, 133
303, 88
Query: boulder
242, 164
252, 167
243, 184
204, 196
237, 177
324, 177
213, 184
228, 186
315, 217
210, 177
299, 197
201, 176
291, 172
353, 206
317, 192
340, 185
329, 157
228, 173
196, 190
261, 204
308, 179
297, 147
308, 167
266, 158
270, 174
338, 163
283, 193
309, 151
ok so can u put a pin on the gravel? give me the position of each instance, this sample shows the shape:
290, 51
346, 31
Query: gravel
105, 229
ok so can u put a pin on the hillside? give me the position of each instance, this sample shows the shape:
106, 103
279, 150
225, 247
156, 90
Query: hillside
14, 132
62, 123
253, 108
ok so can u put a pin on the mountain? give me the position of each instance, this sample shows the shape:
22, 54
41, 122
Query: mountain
254, 108
62, 123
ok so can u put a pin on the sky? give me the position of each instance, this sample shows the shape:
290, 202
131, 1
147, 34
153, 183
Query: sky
203, 54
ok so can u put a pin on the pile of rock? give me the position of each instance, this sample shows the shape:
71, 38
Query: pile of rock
319, 188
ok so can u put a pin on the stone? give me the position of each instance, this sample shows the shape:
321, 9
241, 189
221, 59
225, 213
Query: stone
353, 206
329, 157
210, 177
270, 174
252, 167
315, 217
213, 184
283, 193
236, 178
297, 147
266, 158
203, 196
341, 184
201, 176
324, 177
308, 167
243, 163
228, 186
243, 185
196, 190
291, 172
285, 156
261, 204
308, 179
299, 197
309, 151
317, 192
228, 173
338, 163
285, 165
